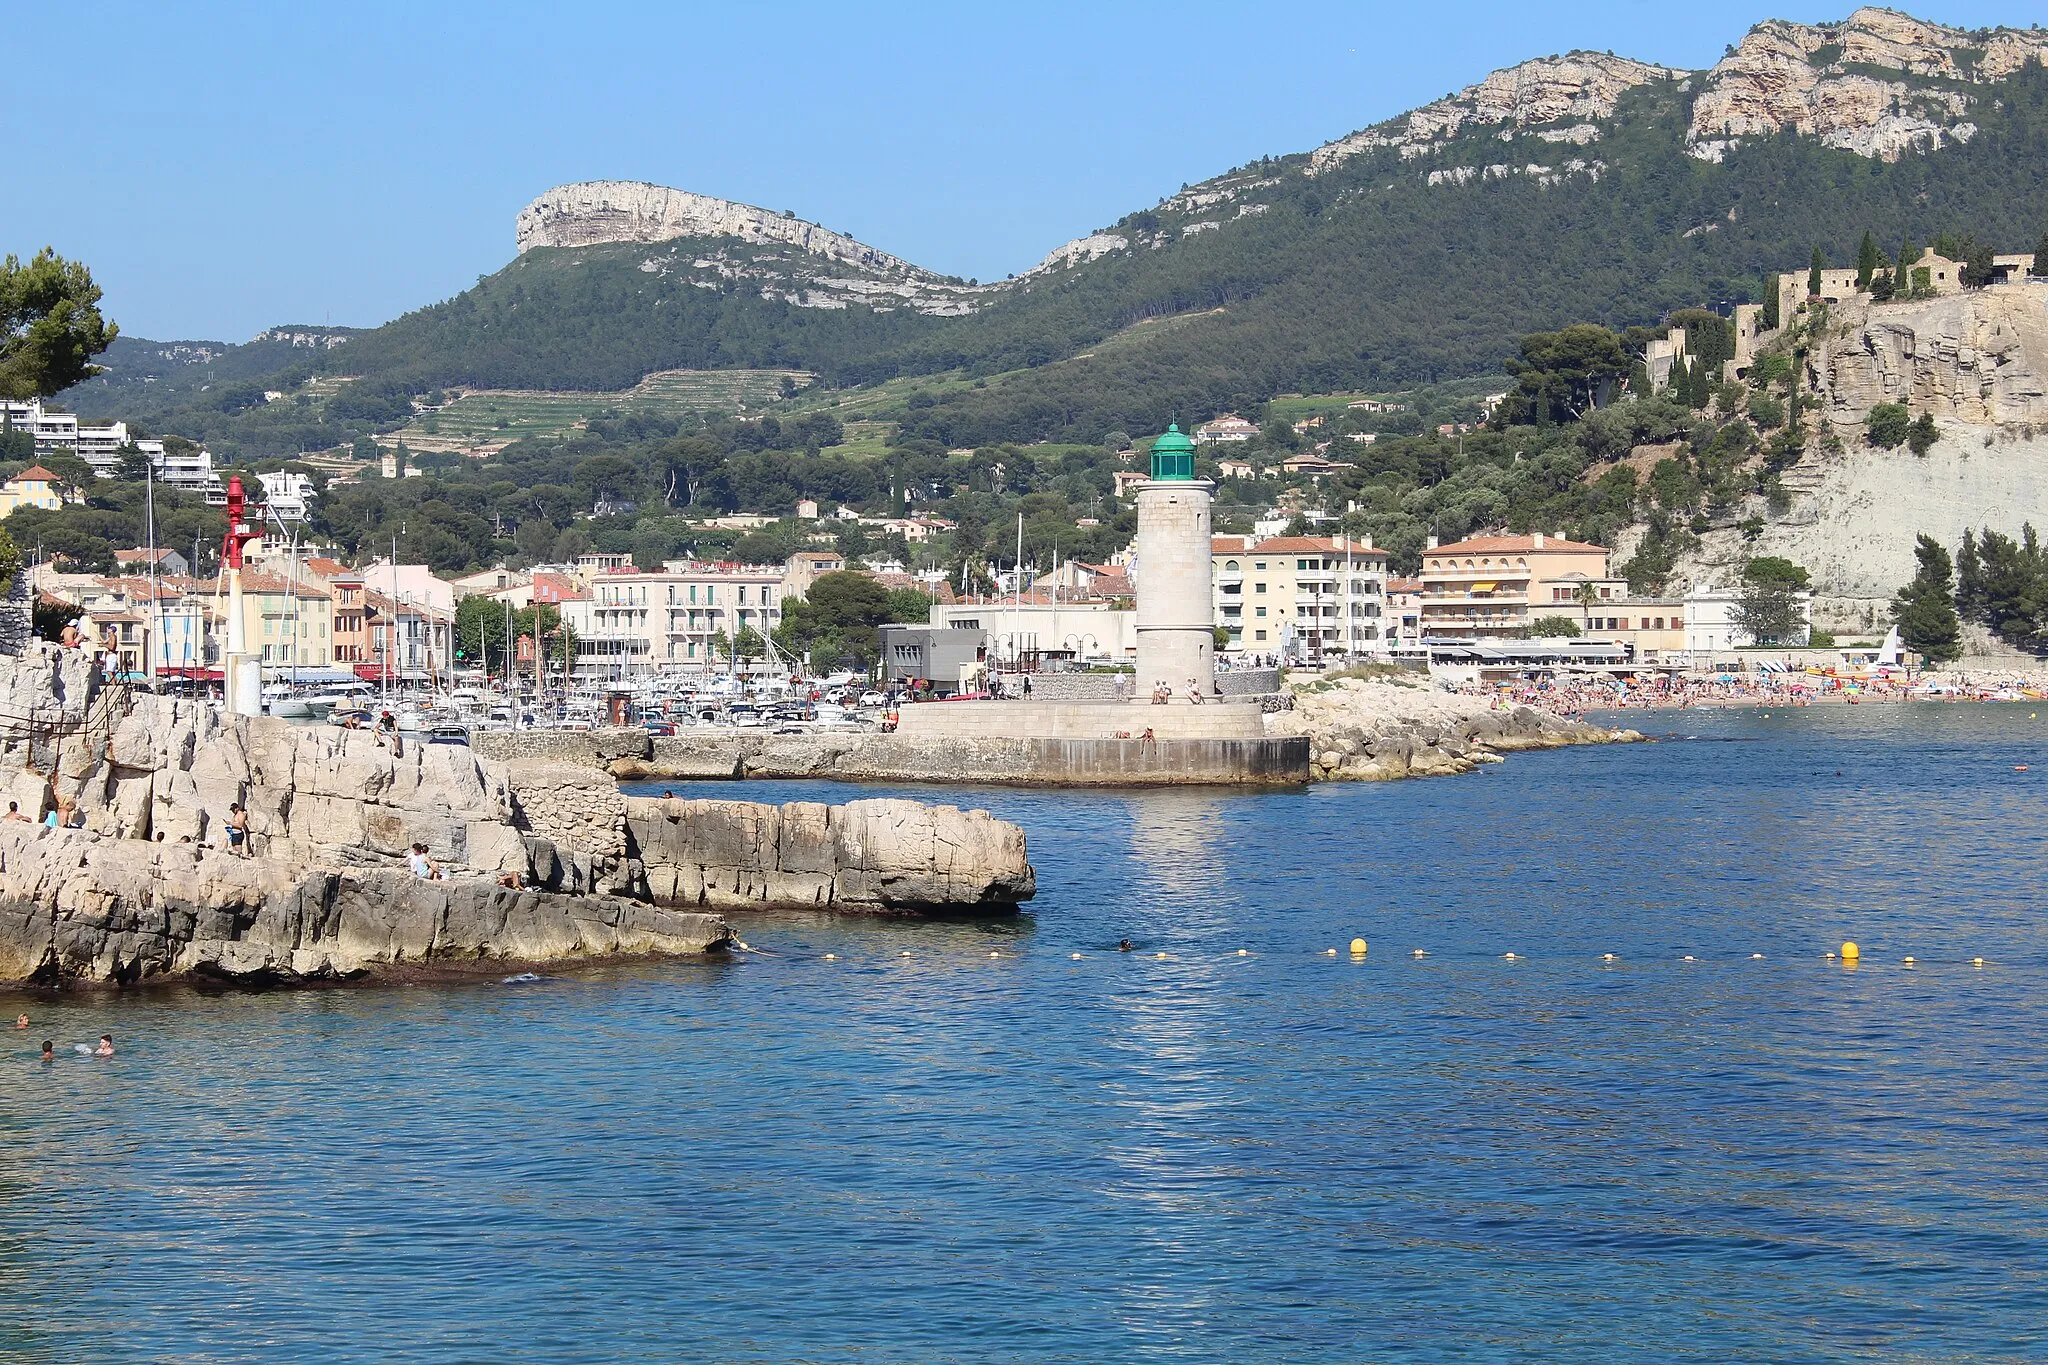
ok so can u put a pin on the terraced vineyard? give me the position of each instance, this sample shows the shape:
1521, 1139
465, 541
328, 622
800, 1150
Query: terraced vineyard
485, 418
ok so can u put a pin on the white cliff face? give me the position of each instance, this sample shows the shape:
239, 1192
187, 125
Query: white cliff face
1814, 80
1578, 86
596, 211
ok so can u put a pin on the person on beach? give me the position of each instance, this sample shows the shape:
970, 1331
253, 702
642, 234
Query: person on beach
106, 1047
237, 826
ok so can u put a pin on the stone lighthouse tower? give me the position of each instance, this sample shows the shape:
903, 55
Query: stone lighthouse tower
1176, 640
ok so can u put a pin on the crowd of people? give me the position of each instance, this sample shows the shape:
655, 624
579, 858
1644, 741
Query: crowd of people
1573, 696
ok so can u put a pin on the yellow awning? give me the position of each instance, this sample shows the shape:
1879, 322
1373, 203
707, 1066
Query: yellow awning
1484, 587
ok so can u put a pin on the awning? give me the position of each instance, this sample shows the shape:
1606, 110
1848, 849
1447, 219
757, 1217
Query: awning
1483, 587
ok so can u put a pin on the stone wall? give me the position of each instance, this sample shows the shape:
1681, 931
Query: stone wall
1248, 682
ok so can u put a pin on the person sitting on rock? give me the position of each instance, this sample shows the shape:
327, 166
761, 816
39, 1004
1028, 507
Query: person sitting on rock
423, 867
237, 826
14, 813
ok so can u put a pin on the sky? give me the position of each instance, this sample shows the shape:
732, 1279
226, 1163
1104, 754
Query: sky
226, 168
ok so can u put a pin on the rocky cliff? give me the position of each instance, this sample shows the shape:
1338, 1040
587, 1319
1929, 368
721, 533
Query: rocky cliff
1877, 84
593, 211
148, 885
1978, 358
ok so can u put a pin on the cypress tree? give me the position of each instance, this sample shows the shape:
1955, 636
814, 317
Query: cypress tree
1868, 259
1969, 579
1902, 282
1769, 317
1925, 609
2041, 257
1813, 274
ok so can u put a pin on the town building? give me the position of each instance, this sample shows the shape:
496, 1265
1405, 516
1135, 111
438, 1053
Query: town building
1494, 587
686, 618
32, 487
141, 560
1038, 626
805, 567
951, 658
1226, 427
102, 444
288, 497
1305, 596
1710, 620
1403, 629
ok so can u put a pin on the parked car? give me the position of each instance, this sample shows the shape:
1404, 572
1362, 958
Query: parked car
660, 729
873, 698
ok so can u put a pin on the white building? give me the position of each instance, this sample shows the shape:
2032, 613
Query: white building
410, 583
290, 496
682, 619
1226, 427
100, 445
1092, 632
1710, 619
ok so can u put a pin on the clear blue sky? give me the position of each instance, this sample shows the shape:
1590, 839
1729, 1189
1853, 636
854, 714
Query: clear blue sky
225, 168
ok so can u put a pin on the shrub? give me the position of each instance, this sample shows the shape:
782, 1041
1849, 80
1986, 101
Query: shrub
1923, 434
1544, 626
1887, 425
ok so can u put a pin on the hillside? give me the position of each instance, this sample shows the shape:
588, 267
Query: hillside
1578, 187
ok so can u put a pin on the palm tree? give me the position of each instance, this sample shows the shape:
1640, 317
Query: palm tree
1588, 597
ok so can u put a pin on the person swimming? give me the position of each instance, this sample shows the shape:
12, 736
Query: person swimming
49, 1050
106, 1047
1124, 945
22, 1022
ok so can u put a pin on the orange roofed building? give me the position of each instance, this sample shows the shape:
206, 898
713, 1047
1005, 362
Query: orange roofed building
1494, 587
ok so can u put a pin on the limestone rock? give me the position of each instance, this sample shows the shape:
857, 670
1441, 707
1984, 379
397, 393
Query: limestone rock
595, 211
1978, 357
1374, 730
879, 856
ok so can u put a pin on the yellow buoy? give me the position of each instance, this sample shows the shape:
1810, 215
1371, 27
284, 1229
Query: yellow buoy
1244, 952
1329, 952
1756, 957
831, 957
995, 954
1159, 954
1358, 947
904, 953
1850, 952
1690, 958
1508, 957
1077, 957
1419, 953
1909, 962
1976, 962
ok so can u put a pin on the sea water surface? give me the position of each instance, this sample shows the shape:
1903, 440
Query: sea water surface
1004, 1140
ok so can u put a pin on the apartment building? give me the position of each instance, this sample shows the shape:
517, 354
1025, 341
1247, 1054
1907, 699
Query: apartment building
679, 619
1494, 587
100, 444
1308, 596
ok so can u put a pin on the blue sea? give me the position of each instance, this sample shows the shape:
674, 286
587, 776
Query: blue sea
1004, 1140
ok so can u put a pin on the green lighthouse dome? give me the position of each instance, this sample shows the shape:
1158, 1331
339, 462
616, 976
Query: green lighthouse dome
1173, 455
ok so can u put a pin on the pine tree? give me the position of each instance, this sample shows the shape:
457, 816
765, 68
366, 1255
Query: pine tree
1925, 609
1868, 261
1813, 274
1969, 579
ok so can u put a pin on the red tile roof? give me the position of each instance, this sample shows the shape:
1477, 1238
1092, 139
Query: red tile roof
1292, 545
1518, 545
36, 471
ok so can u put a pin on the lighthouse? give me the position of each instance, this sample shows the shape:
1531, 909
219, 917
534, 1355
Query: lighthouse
1176, 637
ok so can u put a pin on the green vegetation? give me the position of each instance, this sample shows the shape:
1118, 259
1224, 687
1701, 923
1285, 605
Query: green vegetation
1767, 607
2002, 583
836, 623
1925, 610
1922, 435
1557, 626
1888, 425
50, 325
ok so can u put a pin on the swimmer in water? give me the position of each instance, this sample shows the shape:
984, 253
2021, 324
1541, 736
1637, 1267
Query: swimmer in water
106, 1047
22, 1022
49, 1050
1123, 945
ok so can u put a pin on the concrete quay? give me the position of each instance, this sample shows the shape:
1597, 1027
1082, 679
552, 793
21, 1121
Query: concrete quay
994, 743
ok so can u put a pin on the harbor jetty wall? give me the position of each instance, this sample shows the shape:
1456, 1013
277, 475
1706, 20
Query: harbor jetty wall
997, 759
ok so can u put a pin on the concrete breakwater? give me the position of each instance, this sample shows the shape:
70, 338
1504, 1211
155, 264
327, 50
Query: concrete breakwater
538, 861
997, 759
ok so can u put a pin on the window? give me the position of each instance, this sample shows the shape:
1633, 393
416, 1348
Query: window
1260, 565
1260, 588
1261, 611
1258, 634
1606, 593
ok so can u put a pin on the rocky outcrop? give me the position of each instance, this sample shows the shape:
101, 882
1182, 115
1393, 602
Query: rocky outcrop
874, 857
1816, 80
1370, 730
1573, 88
75, 905
594, 211
1978, 357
